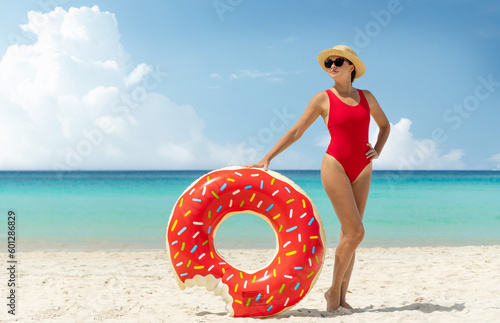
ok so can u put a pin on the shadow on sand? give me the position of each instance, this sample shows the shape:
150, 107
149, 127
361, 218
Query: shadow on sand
423, 307
305, 312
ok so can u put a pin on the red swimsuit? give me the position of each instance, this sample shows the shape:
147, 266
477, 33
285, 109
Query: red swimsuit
348, 126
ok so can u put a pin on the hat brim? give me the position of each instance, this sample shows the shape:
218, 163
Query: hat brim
358, 64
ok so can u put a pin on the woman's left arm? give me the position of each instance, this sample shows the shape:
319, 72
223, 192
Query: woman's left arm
383, 124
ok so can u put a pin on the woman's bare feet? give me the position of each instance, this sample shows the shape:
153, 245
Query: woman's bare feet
344, 304
332, 302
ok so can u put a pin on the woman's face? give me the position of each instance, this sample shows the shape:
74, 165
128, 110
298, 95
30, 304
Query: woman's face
341, 71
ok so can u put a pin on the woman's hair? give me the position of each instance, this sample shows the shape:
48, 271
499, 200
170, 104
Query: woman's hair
353, 73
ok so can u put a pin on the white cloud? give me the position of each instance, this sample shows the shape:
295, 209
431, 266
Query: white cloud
255, 74
496, 159
137, 74
275, 80
70, 101
404, 152
290, 39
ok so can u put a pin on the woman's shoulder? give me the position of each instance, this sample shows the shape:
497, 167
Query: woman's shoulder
366, 93
370, 98
323, 93
320, 97
319, 102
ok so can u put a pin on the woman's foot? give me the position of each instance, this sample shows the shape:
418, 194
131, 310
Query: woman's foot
332, 302
344, 304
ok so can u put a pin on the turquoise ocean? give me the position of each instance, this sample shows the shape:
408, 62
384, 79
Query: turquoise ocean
129, 210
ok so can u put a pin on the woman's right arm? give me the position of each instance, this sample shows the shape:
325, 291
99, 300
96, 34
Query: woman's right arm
315, 108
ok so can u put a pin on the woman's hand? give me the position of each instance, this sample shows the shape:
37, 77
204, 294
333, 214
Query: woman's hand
264, 163
371, 153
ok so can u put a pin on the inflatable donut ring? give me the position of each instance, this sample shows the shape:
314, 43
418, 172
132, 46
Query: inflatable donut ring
300, 238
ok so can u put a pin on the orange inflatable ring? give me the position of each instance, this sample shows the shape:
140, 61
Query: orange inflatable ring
300, 238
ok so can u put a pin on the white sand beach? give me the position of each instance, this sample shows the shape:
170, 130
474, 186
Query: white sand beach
427, 284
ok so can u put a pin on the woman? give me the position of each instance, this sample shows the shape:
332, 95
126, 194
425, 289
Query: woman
346, 168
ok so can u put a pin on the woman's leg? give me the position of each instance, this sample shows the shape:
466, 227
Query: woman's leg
339, 190
361, 188
346, 279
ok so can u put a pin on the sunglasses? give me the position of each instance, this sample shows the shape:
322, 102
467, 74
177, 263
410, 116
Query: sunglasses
338, 62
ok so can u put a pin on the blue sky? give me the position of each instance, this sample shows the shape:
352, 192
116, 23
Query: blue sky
222, 81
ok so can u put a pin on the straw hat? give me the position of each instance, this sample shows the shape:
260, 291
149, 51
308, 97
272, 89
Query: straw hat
342, 51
